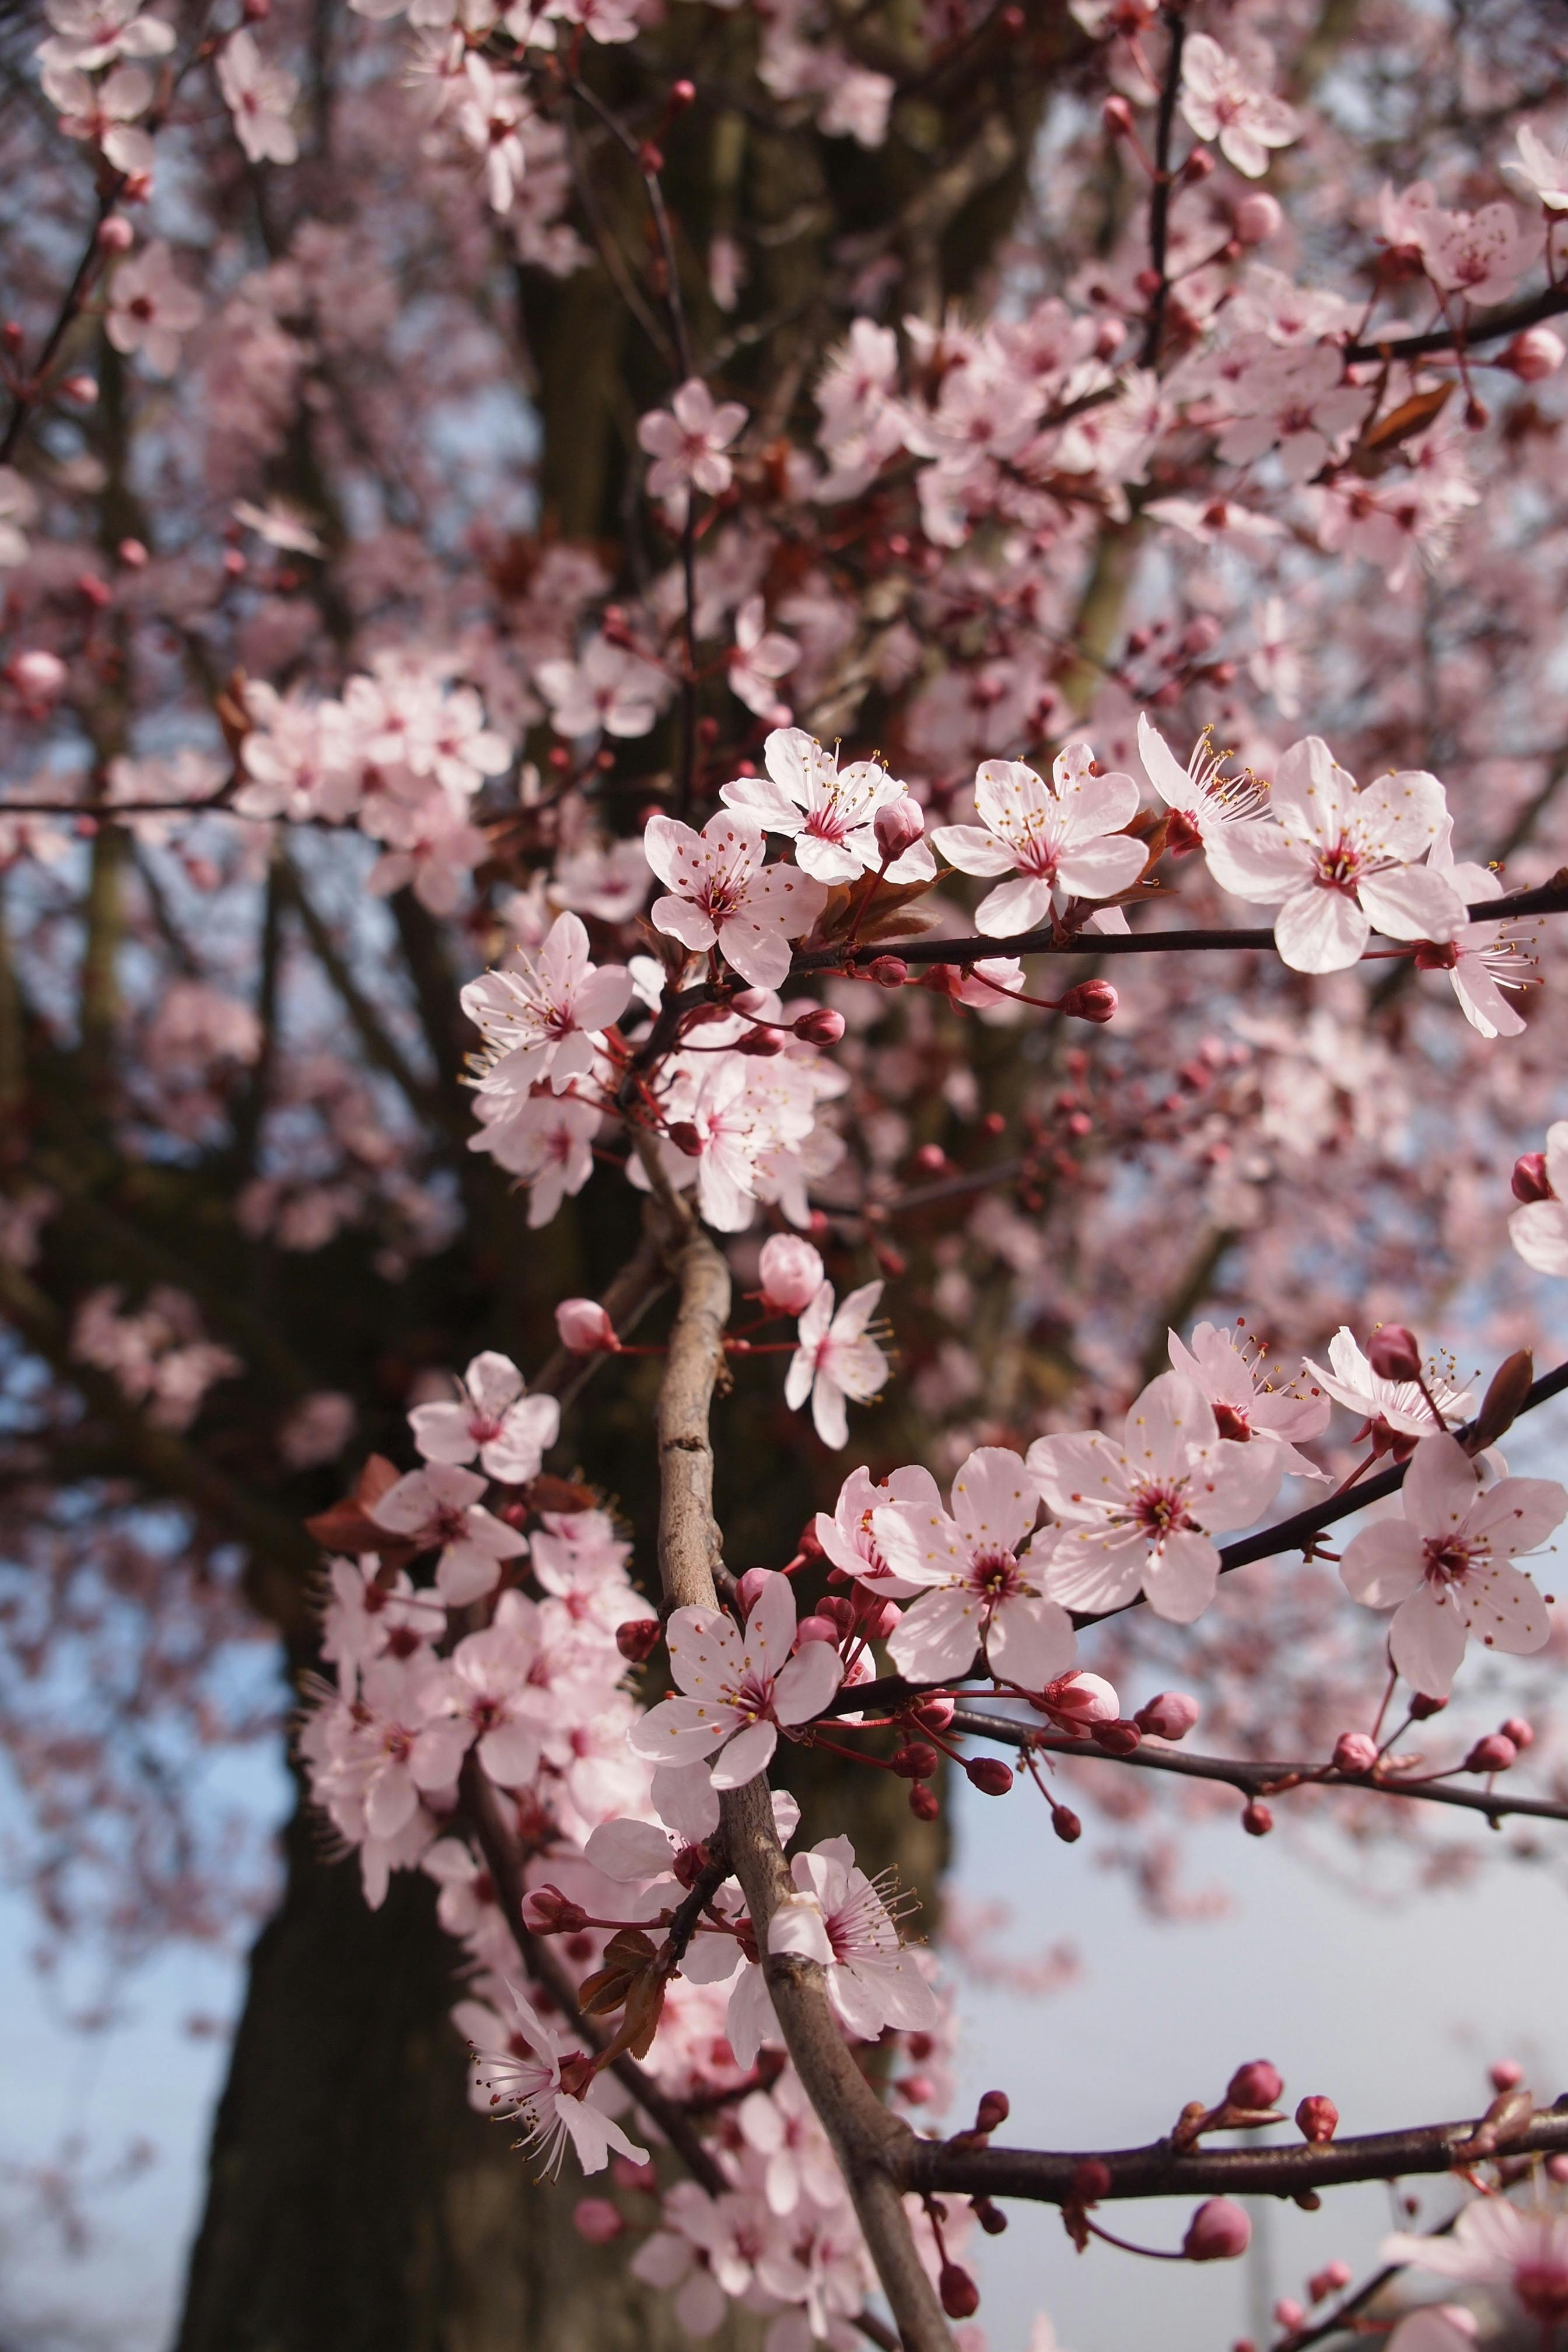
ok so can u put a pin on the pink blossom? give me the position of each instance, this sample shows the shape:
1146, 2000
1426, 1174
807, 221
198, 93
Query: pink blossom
737, 1689
1061, 840
509, 1431
1342, 860
491, 118
543, 1017
836, 1359
440, 1505
1481, 256
1396, 1406
841, 1921
1142, 1515
103, 112
90, 34
828, 811
1206, 805
483, 1690
978, 1594
546, 1140
850, 1537
1221, 102
1295, 401
791, 1273
1444, 1569
608, 686
1481, 958
725, 897
1540, 169
1245, 1406
761, 658
1524, 2249
151, 309
688, 442
261, 97
1539, 1231
583, 1328
516, 2075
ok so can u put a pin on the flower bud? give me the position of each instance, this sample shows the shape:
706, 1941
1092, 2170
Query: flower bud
1218, 2231
1198, 166
817, 1629
792, 1274
1256, 1819
930, 1160
1256, 219
1255, 2084
1533, 354
1354, 1751
934, 1713
1330, 2279
1495, 1753
1079, 1700
960, 2295
1289, 2313
762, 1043
916, 1762
888, 971
36, 673
596, 2219
636, 1639
1067, 1824
1317, 2119
1170, 1715
550, 1913
820, 1026
115, 235
923, 1802
1116, 1739
1521, 1733
1091, 1000
750, 1589
899, 826
682, 93
81, 388
626, 2174
584, 1328
991, 2217
992, 2111
1505, 2074
1394, 1354
685, 1138
1423, 1706
989, 1775
1530, 1181
878, 1623
131, 553
1117, 117
1090, 2181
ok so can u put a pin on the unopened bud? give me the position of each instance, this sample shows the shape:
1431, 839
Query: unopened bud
792, 1274
636, 1639
761, 1043
1256, 1819
1256, 2085
1505, 2074
596, 2219
923, 1802
1067, 1824
1198, 165
1090, 2181
683, 93
899, 826
131, 553
115, 235
1170, 1715
817, 1629
1116, 1739
584, 1328
1289, 2313
750, 1589
36, 673
916, 1762
960, 2295
820, 1026
930, 1160
1557, 2169
934, 1714
1256, 219
1495, 1753
685, 1138
1330, 2279
1394, 1354
1117, 117
550, 1913
1521, 1733
1533, 354
991, 2217
1317, 2119
1218, 2231
1530, 1181
992, 2111
1423, 1706
1354, 1751
627, 2174
889, 971
1091, 1000
989, 1775
80, 388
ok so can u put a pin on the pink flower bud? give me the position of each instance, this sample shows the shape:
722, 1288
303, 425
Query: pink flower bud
889, 971
899, 826
935, 1714
1530, 1181
749, 1589
1504, 2073
1495, 1753
1256, 2085
550, 1913
1289, 2313
131, 553
1534, 353
1521, 1733
626, 2174
80, 388
960, 2295
1354, 1751
596, 2219
791, 1273
1091, 1000
820, 1026
682, 93
930, 1160
916, 1762
761, 1043
1394, 1354
1116, 1739
1256, 1819
636, 1639
36, 674
1067, 1824
584, 1328
1218, 2231
1256, 219
1117, 117
989, 1775
817, 1629
923, 1802
115, 235
1170, 1715
1198, 166
1080, 1698
1317, 2120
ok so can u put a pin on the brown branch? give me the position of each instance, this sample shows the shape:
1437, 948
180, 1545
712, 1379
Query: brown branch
1159, 195
1509, 321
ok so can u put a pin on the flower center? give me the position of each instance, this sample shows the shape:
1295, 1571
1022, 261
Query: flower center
753, 1698
1543, 2288
996, 1574
1338, 868
1231, 1421
1446, 1560
1160, 1510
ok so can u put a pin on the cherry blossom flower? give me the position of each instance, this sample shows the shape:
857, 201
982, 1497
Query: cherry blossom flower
1436, 2328
1524, 2249
1204, 802
1445, 1568
842, 1922
850, 1537
1142, 1515
440, 1505
836, 1359
1295, 401
1481, 256
608, 686
1060, 840
1274, 665
725, 897
1221, 101
688, 442
761, 658
367, 1615
517, 2073
509, 1431
544, 1016
18, 504
1539, 1231
259, 96
1481, 958
1245, 1407
1540, 169
1342, 860
491, 118
483, 1690
1395, 1407
828, 811
104, 112
90, 34
782, 2126
151, 309
385, 1752
737, 1688
546, 1140
979, 1594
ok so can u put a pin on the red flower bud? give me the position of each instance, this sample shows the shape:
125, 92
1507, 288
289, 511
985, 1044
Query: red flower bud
923, 1802
1091, 1000
1067, 1824
683, 93
596, 2219
1170, 1715
1354, 1751
1116, 1739
820, 1026
1533, 354
1256, 1819
993, 2111
1530, 1181
930, 1160
960, 2295
685, 1138
1394, 1354
1521, 1733
989, 1775
1255, 2084
550, 1913
916, 1762
1330, 2278
816, 1628
935, 1714
1317, 2119
1117, 117
991, 2217
749, 1588
1495, 1753
888, 971
1423, 1706
637, 1638
1090, 2182
1218, 2231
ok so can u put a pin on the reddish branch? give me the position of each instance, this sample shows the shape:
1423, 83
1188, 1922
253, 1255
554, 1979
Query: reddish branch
1159, 195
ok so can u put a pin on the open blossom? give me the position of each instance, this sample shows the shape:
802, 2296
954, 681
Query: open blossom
1481, 958
1297, 401
90, 34
151, 309
491, 119
608, 686
105, 112
509, 1431
978, 1594
1395, 1407
1221, 102
1205, 803
761, 658
1540, 170
1524, 2249
1539, 1231
737, 1688
483, 1691
688, 442
1445, 1569
836, 1359
829, 811
1142, 1515
440, 1505
259, 96
517, 2073
1245, 1407
724, 896
547, 1139
1059, 840
543, 1017
1342, 860
850, 1537
842, 1921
